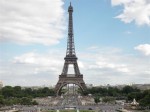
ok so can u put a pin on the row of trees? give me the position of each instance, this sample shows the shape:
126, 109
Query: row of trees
111, 91
15, 101
16, 95
142, 97
127, 93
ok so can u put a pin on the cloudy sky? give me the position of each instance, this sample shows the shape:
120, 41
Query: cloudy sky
112, 40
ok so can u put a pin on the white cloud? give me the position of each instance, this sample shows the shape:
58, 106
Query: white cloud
119, 2
98, 66
32, 68
40, 63
113, 67
144, 48
134, 10
109, 65
32, 21
128, 32
93, 48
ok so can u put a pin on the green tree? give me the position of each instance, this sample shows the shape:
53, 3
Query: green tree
129, 89
34, 103
1, 100
18, 91
97, 99
26, 101
7, 91
113, 91
108, 99
145, 101
136, 95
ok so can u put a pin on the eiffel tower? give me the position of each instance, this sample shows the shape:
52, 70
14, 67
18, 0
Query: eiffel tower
70, 59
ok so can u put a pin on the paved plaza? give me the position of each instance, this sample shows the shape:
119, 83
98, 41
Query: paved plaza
65, 102
103, 108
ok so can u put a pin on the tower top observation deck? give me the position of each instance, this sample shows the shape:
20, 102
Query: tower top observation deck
70, 9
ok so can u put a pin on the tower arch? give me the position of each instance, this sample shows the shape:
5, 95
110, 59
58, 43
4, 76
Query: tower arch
64, 84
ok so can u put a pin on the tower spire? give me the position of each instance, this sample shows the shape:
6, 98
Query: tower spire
70, 3
70, 42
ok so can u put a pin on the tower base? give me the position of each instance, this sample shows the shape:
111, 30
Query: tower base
64, 80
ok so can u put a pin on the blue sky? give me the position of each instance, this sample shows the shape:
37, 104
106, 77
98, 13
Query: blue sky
112, 41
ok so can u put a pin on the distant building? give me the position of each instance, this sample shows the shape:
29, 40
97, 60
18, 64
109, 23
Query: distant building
142, 86
36, 87
134, 103
1, 84
138, 86
121, 86
89, 85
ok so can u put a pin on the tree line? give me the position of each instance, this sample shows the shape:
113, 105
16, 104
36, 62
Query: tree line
127, 93
16, 95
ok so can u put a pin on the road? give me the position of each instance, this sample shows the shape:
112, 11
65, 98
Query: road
104, 108
70, 101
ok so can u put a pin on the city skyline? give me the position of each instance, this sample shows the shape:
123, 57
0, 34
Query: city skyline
112, 41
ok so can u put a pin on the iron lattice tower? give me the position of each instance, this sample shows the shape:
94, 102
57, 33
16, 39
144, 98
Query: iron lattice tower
70, 59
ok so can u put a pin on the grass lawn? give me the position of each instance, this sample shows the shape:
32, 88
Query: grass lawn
70, 111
